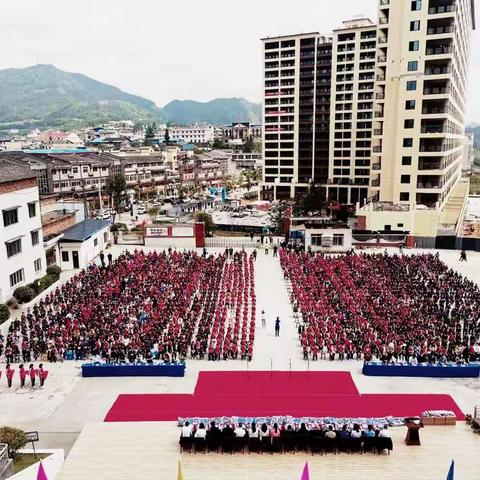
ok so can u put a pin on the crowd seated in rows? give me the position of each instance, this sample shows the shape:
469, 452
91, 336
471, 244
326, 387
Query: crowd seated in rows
283, 438
388, 307
144, 306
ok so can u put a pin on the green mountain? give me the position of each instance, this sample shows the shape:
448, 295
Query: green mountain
220, 111
43, 96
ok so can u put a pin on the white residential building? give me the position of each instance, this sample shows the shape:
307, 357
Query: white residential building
21, 245
193, 134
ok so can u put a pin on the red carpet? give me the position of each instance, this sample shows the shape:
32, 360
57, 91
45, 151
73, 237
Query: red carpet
275, 383
315, 394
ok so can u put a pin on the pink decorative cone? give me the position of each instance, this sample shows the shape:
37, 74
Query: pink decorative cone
305, 474
41, 475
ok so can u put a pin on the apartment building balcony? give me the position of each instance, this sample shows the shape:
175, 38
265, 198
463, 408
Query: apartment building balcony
426, 182
439, 49
432, 145
375, 182
441, 8
380, 96
376, 166
441, 30
433, 128
438, 90
437, 69
436, 165
434, 107
382, 40
377, 149
384, 3
381, 58
383, 19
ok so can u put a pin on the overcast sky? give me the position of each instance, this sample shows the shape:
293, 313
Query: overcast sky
162, 50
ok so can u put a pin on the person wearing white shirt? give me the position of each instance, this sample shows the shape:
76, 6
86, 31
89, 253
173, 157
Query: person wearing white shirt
240, 431
356, 431
201, 432
186, 430
384, 433
253, 431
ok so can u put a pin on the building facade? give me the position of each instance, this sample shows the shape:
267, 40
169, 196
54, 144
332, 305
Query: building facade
195, 134
21, 243
296, 113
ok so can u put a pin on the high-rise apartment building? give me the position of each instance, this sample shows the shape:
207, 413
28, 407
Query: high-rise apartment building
296, 116
352, 99
396, 120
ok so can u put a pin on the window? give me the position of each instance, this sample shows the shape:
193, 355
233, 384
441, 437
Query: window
416, 5
16, 277
406, 160
414, 46
337, 239
415, 26
37, 264
32, 209
65, 257
409, 123
404, 197
400, 225
95, 242
35, 237
14, 247
317, 240
410, 105
105, 237
405, 179
408, 142
10, 217
412, 66
411, 85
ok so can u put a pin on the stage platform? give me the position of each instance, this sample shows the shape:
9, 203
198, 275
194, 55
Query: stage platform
123, 451
316, 394
436, 371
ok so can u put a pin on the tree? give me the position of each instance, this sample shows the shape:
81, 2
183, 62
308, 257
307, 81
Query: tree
277, 215
315, 201
150, 133
4, 313
153, 212
218, 144
116, 188
14, 438
249, 145
167, 136
207, 219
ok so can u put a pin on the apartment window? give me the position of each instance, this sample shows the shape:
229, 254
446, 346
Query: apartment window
410, 105
409, 123
65, 257
14, 247
37, 264
10, 217
416, 5
32, 209
16, 277
414, 46
35, 237
404, 197
415, 26
95, 242
411, 85
316, 240
408, 142
337, 239
105, 237
406, 161
405, 179
412, 66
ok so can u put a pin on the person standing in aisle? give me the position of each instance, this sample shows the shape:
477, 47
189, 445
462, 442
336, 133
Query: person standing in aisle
10, 372
264, 320
277, 327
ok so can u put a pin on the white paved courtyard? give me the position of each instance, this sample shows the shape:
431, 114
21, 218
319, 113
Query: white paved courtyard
68, 402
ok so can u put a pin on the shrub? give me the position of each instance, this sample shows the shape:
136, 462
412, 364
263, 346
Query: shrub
4, 313
118, 227
12, 303
46, 281
24, 294
54, 270
14, 438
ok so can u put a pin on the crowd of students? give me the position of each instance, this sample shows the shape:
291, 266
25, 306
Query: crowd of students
387, 307
142, 306
31, 373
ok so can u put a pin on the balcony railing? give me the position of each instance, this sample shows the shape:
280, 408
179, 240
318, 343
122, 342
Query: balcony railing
382, 39
376, 166
438, 70
382, 59
434, 111
380, 78
441, 9
430, 166
378, 131
442, 50
376, 182
440, 30
384, 2
430, 185
436, 90
433, 129
383, 20
379, 96
377, 149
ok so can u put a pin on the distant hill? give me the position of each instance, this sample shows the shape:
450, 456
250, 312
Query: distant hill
43, 96
220, 111
475, 129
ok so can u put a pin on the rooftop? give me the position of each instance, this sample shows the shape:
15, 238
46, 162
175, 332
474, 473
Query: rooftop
12, 172
84, 230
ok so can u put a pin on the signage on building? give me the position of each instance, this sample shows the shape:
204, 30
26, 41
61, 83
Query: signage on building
157, 232
182, 232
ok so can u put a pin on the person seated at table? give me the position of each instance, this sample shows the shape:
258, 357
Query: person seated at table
275, 432
264, 432
201, 431
344, 433
166, 358
227, 431
384, 432
240, 431
356, 431
330, 433
370, 432
413, 360
186, 429
253, 431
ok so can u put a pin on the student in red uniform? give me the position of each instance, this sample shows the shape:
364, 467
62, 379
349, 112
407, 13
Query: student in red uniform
42, 374
32, 372
23, 375
10, 372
